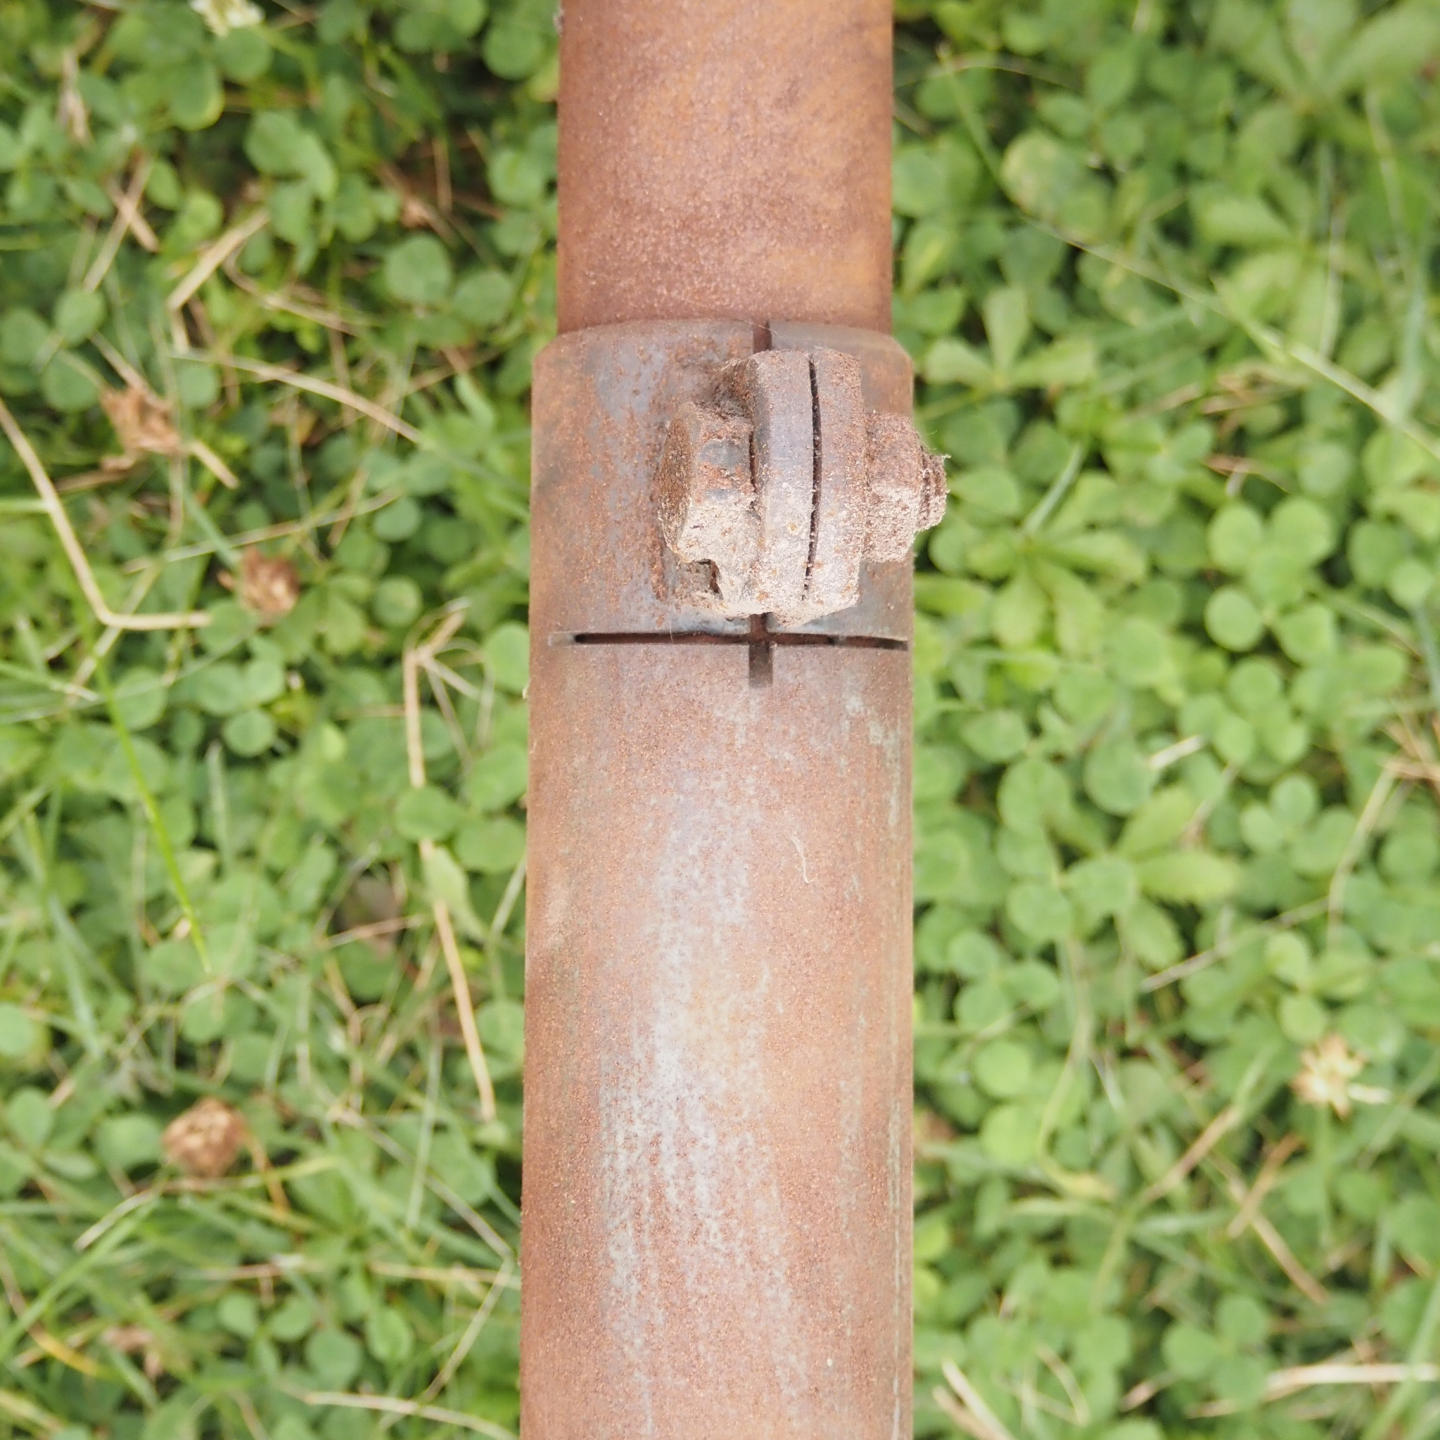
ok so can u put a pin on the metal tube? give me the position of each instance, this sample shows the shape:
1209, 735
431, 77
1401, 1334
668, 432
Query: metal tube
717, 1157
727, 159
716, 1209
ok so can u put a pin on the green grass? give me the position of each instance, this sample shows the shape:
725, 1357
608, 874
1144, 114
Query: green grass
1168, 272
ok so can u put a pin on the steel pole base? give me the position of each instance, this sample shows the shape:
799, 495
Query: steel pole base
716, 1240
716, 1209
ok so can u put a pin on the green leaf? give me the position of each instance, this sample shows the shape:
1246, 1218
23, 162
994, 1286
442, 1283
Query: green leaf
23, 335
1232, 619
950, 361
1138, 652
1416, 1227
388, 1336
1302, 1019
1190, 1351
195, 95
397, 602
1003, 1068
334, 1358
22, 1037
279, 144
438, 24
68, 385
483, 298
1303, 529
1010, 1134
447, 882
1007, 324
1394, 44
292, 1319
171, 967
517, 178
426, 813
1069, 361
28, 1117
417, 271
997, 736
490, 847
918, 180
1019, 613
1102, 886
250, 733
1241, 1319
1307, 634
1038, 171
1255, 685
222, 689
515, 45
129, 1142
1039, 910
239, 1314
79, 314
1117, 777
1241, 1380
1032, 795
1193, 877
399, 520
173, 1419
498, 778
244, 53
507, 654
1226, 218
1233, 535
1318, 847
1317, 28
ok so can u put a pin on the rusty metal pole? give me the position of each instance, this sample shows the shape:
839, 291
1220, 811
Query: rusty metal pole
716, 1208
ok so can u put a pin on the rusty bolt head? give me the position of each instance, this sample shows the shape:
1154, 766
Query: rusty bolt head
784, 532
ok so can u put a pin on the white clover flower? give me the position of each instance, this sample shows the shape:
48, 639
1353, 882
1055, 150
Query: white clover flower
1326, 1076
223, 16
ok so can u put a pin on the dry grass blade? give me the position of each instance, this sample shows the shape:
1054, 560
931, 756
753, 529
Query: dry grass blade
327, 390
126, 203
465, 1344
1203, 1144
127, 209
971, 1413
1249, 1207
75, 552
416, 658
389, 1405
215, 255
1329, 1373
1272, 1240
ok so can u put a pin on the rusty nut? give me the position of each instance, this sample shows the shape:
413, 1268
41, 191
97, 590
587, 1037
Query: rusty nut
907, 489
783, 485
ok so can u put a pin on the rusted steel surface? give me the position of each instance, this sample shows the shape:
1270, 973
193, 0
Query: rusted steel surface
783, 482
717, 1176
725, 158
716, 1240
603, 400
716, 1209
